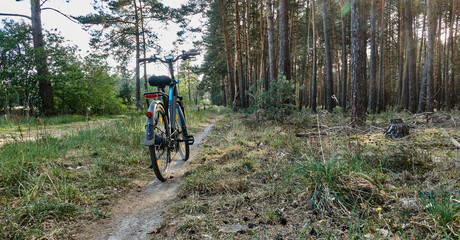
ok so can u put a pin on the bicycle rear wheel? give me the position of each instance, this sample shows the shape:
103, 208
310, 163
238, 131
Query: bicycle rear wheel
184, 148
160, 152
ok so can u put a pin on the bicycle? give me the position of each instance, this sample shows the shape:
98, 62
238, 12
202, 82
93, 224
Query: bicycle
165, 129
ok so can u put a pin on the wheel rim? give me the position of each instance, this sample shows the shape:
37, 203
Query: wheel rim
161, 150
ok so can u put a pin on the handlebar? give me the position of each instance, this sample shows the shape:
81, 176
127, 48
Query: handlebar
169, 58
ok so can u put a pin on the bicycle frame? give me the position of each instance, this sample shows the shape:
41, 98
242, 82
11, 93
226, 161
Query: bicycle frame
169, 101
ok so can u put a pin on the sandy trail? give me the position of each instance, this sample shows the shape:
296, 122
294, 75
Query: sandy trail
139, 213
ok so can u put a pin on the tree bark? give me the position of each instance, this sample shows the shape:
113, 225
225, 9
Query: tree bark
314, 70
373, 58
428, 69
144, 43
248, 50
410, 57
271, 41
381, 82
284, 59
437, 81
343, 94
45, 89
238, 57
358, 62
420, 55
400, 93
327, 48
307, 56
454, 97
446, 64
138, 81
228, 54
262, 46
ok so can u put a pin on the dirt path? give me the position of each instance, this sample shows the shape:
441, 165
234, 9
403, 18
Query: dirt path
139, 213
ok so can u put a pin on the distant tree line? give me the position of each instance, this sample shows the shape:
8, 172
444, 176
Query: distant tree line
80, 85
364, 55
123, 31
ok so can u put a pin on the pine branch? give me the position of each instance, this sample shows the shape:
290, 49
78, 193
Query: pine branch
43, 2
15, 15
63, 14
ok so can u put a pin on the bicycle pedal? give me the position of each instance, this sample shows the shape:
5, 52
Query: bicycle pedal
190, 139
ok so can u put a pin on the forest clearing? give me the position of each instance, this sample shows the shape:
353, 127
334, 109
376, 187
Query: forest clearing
313, 119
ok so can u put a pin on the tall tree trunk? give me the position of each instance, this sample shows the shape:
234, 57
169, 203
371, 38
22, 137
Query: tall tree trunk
248, 49
329, 78
437, 81
314, 71
262, 46
420, 55
45, 89
381, 82
271, 41
284, 59
307, 55
373, 58
238, 56
428, 69
454, 97
228, 54
446, 64
411, 58
358, 62
138, 81
400, 93
343, 94
144, 43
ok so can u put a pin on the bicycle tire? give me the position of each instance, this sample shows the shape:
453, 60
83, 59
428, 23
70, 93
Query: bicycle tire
160, 152
184, 147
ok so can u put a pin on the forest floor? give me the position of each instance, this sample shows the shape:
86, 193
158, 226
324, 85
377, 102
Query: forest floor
251, 178
254, 179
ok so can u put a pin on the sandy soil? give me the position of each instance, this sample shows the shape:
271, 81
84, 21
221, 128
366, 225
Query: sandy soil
138, 215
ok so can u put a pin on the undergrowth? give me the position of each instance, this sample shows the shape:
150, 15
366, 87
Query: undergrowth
255, 180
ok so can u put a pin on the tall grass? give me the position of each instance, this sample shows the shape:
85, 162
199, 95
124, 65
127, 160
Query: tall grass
337, 182
53, 179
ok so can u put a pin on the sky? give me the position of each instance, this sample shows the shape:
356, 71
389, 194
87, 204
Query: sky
74, 33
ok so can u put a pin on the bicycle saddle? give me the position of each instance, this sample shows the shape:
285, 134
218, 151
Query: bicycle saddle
160, 81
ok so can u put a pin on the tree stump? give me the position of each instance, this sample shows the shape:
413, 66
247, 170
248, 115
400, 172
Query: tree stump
397, 129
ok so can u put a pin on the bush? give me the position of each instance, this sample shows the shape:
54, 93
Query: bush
277, 102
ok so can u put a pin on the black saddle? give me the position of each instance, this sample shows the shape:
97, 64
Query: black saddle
160, 81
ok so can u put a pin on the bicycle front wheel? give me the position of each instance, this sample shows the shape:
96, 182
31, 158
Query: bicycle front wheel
159, 152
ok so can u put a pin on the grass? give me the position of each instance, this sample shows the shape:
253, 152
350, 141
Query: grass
15, 121
350, 184
49, 184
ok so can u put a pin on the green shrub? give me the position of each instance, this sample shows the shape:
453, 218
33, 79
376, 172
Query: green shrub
277, 102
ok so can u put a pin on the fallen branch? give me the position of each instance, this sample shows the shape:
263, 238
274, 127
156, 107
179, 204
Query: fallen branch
379, 128
310, 134
452, 140
338, 127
